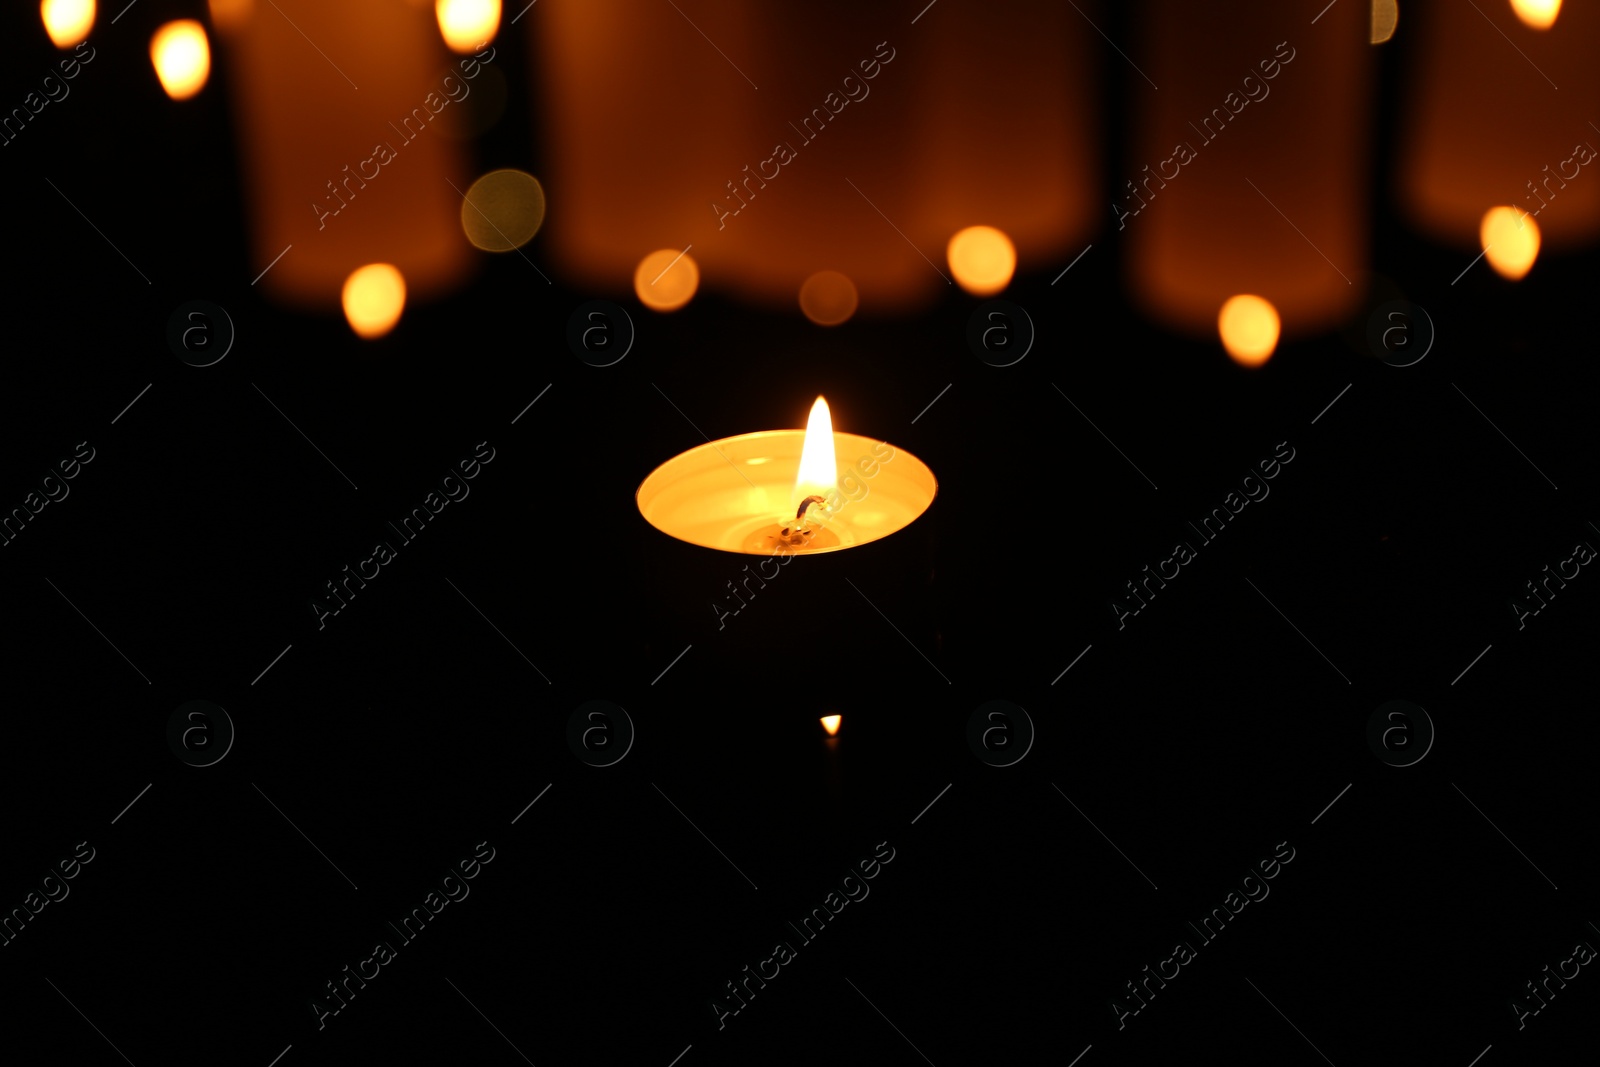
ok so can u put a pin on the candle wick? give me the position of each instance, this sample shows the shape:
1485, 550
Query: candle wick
801, 534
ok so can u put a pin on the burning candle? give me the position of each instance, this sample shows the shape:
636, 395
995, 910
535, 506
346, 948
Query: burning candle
1248, 165
342, 160
779, 492
1499, 115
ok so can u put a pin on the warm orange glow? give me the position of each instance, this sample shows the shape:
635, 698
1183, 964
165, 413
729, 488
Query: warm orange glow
819, 470
468, 25
666, 280
182, 58
374, 296
230, 15
1249, 329
67, 22
830, 723
982, 259
1537, 14
1510, 241
828, 298
1385, 15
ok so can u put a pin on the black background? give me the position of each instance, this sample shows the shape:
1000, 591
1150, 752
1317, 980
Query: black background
1213, 727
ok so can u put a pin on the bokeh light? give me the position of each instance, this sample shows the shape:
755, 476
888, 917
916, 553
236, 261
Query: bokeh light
1510, 241
1538, 14
67, 22
666, 280
828, 298
982, 259
502, 210
467, 25
182, 57
1385, 16
374, 296
1248, 326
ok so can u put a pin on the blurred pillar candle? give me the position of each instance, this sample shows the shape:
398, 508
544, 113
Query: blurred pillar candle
347, 176
1484, 126
869, 143
1248, 166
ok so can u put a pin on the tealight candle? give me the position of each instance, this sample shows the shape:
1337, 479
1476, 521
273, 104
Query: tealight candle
777, 492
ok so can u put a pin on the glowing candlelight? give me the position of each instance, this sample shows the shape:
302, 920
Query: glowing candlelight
1510, 243
467, 25
1537, 14
182, 58
982, 259
744, 494
374, 296
1249, 329
68, 22
830, 723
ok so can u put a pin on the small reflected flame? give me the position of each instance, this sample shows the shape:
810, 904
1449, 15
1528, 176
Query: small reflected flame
819, 470
830, 723
1537, 14
1510, 240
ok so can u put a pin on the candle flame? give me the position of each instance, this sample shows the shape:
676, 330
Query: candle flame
467, 25
182, 57
819, 471
1249, 328
983, 259
830, 723
1510, 241
1537, 14
374, 296
666, 279
67, 21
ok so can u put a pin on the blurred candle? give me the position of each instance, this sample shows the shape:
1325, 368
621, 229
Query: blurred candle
862, 152
348, 176
1486, 126
1248, 166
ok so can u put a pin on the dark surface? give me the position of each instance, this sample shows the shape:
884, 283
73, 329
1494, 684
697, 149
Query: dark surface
1211, 728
